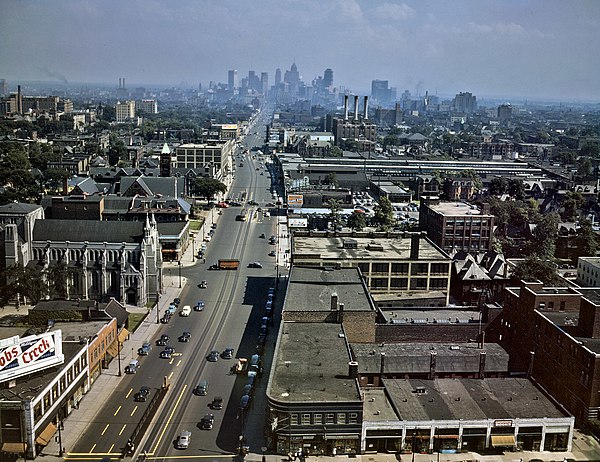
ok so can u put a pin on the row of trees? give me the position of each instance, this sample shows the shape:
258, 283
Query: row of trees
35, 283
357, 221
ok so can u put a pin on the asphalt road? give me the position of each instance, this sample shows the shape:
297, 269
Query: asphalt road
234, 307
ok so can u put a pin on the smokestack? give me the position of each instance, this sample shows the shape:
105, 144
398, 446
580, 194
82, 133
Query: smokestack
356, 107
366, 114
119, 82
345, 107
415, 238
432, 365
19, 100
334, 301
482, 356
341, 313
353, 369
382, 365
123, 82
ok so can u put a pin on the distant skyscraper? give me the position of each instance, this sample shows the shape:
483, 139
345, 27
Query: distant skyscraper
264, 81
328, 78
292, 76
277, 77
465, 102
232, 79
3, 87
125, 111
504, 112
380, 91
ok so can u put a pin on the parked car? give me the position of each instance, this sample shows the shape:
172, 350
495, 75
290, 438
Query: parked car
144, 349
202, 388
272, 253
165, 354
244, 402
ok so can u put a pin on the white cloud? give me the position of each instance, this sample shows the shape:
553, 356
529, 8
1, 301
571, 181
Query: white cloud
393, 12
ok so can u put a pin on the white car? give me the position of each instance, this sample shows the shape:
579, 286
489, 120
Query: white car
184, 439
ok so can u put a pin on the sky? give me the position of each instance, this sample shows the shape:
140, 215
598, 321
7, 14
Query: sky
544, 49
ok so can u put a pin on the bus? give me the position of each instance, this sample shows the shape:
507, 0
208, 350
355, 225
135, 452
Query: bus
243, 215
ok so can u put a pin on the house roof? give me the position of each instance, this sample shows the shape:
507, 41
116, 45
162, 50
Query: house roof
88, 230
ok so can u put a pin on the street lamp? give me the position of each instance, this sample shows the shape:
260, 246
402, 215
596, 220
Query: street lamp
157, 306
179, 268
413, 445
60, 424
119, 354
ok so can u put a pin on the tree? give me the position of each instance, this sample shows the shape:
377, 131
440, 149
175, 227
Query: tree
59, 276
21, 281
498, 186
587, 244
384, 213
331, 180
208, 187
535, 268
584, 166
590, 150
116, 152
335, 211
357, 221
516, 189
543, 243
571, 203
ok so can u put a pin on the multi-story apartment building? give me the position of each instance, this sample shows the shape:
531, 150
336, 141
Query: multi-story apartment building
219, 155
147, 106
125, 111
465, 102
455, 226
551, 333
588, 271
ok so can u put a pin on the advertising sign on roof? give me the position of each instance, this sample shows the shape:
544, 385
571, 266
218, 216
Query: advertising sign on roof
295, 200
22, 356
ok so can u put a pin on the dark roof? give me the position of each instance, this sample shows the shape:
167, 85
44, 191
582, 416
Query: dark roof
88, 230
115, 310
18, 208
170, 228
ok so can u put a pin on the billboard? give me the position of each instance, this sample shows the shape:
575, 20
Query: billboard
22, 356
298, 222
295, 200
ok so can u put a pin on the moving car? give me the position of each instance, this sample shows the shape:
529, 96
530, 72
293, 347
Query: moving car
185, 311
183, 441
217, 403
207, 422
199, 305
228, 353
255, 264
202, 388
185, 337
163, 340
272, 253
213, 356
203, 284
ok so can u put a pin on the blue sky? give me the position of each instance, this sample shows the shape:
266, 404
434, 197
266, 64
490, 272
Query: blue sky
522, 48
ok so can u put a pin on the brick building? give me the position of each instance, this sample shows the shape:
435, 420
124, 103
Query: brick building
553, 335
456, 226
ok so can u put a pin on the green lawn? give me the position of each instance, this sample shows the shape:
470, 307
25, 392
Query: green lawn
195, 225
135, 319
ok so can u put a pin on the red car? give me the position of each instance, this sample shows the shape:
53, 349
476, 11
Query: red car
223, 205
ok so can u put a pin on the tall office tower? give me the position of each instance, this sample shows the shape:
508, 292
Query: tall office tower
380, 91
277, 77
328, 78
504, 112
3, 87
232, 79
465, 102
264, 82
292, 76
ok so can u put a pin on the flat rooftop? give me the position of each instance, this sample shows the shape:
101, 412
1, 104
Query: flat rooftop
415, 357
433, 316
456, 209
332, 248
311, 364
377, 406
310, 289
469, 399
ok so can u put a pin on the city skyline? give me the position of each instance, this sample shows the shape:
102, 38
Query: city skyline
535, 49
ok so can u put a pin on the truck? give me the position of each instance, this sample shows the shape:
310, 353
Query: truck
228, 264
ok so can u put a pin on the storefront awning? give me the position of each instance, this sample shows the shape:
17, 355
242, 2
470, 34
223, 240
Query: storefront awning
123, 335
447, 437
113, 349
503, 440
14, 448
46, 435
342, 437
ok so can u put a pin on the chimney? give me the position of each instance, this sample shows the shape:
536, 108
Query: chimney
19, 100
356, 107
415, 238
482, 356
366, 108
382, 364
119, 82
334, 301
345, 107
432, 365
341, 314
353, 369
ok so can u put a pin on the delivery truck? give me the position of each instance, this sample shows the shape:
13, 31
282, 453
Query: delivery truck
228, 264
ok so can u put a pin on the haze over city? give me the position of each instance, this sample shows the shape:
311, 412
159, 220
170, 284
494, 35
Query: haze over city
545, 49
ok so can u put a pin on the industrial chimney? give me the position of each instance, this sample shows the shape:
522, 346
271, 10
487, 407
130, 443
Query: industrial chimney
353, 369
356, 107
366, 114
345, 107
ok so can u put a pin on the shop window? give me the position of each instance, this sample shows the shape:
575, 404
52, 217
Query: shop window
47, 400
55, 392
37, 411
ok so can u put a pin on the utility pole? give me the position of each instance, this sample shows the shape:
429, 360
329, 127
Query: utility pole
60, 424
179, 268
157, 306
119, 355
